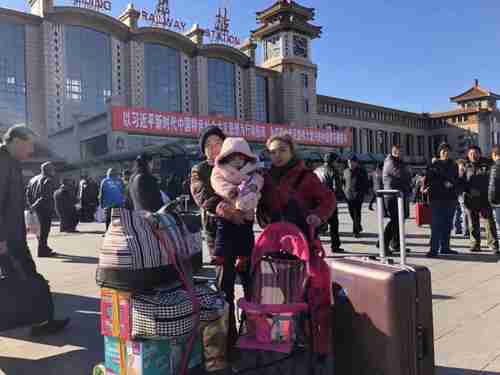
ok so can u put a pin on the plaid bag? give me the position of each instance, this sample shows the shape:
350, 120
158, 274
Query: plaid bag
212, 303
164, 314
133, 259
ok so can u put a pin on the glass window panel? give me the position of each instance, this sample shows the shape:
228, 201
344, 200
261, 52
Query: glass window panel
88, 74
261, 112
163, 78
12, 75
221, 88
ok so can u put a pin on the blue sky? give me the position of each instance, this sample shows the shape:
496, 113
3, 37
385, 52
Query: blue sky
411, 55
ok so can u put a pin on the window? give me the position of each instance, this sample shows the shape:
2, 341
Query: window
354, 140
305, 80
261, 111
221, 88
94, 147
409, 144
162, 76
88, 74
369, 135
306, 105
420, 145
12, 75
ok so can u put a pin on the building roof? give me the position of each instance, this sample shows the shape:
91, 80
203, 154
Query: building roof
281, 6
458, 111
308, 29
476, 92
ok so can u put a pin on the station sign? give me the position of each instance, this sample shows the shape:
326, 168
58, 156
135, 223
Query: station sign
98, 5
144, 121
220, 33
162, 17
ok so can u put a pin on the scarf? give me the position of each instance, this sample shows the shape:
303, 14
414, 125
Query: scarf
277, 173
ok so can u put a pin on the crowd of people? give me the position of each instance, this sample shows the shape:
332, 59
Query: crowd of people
232, 189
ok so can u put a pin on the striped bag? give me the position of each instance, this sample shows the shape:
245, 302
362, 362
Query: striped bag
131, 257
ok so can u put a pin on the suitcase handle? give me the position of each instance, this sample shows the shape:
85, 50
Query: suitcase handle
401, 219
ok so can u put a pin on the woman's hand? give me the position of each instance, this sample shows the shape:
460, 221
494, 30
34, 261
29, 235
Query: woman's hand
313, 220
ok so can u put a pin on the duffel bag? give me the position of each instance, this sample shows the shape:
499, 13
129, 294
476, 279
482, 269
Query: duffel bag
26, 298
132, 258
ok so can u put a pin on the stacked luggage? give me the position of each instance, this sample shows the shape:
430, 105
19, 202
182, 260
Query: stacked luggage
156, 318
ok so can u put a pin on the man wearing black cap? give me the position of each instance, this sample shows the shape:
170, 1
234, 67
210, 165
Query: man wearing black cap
330, 177
355, 189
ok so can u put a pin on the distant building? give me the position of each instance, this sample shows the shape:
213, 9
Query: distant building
64, 68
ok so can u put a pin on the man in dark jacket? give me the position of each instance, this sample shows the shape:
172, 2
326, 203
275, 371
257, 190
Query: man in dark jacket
395, 176
88, 195
355, 189
330, 177
441, 184
376, 183
494, 185
475, 180
65, 202
40, 197
18, 146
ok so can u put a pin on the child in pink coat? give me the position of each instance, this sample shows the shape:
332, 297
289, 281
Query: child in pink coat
235, 179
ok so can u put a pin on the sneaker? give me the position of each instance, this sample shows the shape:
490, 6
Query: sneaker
370, 208
475, 249
432, 254
48, 255
49, 328
357, 235
338, 250
449, 252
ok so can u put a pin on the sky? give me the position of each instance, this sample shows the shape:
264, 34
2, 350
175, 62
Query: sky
409, 55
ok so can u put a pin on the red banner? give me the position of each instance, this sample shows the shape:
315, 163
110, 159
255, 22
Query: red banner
147, 122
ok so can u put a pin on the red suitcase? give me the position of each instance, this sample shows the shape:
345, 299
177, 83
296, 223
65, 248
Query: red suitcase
422, 214
383, 313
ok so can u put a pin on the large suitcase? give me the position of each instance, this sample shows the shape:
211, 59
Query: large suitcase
383, 312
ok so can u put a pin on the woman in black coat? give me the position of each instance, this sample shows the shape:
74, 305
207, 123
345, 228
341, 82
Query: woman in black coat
143, 189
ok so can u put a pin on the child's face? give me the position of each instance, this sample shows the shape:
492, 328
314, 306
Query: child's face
236, 161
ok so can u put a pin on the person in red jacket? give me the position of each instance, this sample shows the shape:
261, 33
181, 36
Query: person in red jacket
291, 192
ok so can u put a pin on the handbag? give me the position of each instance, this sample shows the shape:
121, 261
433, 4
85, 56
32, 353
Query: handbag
423, 213
26, 298
132, 258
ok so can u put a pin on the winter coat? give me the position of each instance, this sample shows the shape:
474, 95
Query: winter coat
226, 179
475, 181
40, 193
440, 174
331, 178
494, 185
297, 185
144, 193
65, 202
201, 188
377, 180
355, 183
12, 225
88, 193
112, 192
395, 176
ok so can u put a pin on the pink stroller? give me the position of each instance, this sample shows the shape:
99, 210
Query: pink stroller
279, 315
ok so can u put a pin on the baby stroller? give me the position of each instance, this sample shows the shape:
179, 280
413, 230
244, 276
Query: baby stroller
279, 316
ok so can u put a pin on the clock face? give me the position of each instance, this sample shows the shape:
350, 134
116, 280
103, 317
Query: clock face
299, 46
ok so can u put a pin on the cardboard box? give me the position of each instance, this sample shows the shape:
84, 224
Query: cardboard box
116, 315
149, 357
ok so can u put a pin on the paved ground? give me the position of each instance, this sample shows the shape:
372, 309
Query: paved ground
466, 293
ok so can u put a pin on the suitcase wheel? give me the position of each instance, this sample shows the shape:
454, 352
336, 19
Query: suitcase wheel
99, 369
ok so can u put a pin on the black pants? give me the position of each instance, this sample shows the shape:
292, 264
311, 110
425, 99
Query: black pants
355, 212
107, 213
373, 200
226, 279
69, 221
333, 223
391, 232
45, 219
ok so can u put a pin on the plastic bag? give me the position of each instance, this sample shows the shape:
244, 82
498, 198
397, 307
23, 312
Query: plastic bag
32, 223
100, 217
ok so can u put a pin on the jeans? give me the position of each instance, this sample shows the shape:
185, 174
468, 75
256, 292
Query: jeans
391, 231
355, 212
461, 221
442, 222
